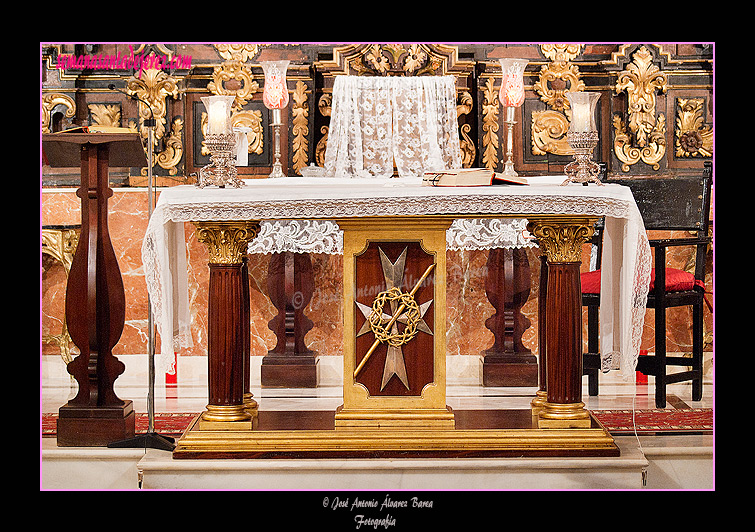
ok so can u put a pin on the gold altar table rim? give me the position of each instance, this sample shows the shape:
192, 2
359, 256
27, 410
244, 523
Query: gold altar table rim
626, 252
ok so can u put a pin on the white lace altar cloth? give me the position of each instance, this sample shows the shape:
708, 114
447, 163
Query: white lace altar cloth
376, 121
626, 258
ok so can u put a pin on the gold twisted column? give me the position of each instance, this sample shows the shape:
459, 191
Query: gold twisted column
230, 401
561, 239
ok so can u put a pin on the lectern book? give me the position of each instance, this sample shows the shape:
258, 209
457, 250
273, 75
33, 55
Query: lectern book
469, 177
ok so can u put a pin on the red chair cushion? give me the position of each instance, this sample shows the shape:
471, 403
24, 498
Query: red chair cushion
590, 282
676, 281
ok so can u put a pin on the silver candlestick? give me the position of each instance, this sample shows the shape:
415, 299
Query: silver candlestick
222, 168
508, 166
277, 167
582, 169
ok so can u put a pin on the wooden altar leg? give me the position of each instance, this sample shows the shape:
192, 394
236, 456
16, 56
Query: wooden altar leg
290, 283
542, 394
561, 240
249, 403
507, 285
228, 325
95, 313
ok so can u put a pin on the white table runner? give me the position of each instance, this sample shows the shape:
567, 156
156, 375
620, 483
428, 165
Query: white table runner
313, 204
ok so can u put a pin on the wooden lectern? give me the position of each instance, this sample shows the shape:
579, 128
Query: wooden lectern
95, 300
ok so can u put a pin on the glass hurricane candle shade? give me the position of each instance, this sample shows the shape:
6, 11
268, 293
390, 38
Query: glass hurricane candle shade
275, 97
582, 106
511, 96
512, 86
218, 114
582, 137
275, 94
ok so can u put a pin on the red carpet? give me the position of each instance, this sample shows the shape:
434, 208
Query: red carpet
167, 424
615, 421
657, 420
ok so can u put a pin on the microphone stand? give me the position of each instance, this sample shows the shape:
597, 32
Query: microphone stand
150, 439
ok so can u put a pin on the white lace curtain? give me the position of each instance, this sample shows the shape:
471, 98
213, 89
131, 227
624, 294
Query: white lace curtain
378, 120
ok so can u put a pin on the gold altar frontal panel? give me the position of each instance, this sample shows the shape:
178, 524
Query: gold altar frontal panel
394, 365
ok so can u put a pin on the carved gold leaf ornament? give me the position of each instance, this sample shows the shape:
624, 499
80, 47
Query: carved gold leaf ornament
171, 155
629, 154
239, 52
549, 130
555, 97
324, 104
60, 245
322, 146
490, 125
693, 137
468, 149
549, 127
641, 80
397, 59
561, 239
238, 72
251, 118
51, 101
652, 153
105, 115
227, 242
154, 86
376, 59
645, 138
415, 58
300, 130
561, 52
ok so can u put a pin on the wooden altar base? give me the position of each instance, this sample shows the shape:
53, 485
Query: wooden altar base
478, 434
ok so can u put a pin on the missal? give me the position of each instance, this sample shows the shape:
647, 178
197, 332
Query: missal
469, 177
97, 129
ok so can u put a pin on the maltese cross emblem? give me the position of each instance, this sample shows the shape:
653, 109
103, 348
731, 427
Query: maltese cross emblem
405, 320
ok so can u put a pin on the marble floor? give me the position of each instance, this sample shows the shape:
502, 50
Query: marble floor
683, 461
614, 394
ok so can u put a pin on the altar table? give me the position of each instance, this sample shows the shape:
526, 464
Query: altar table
560, 218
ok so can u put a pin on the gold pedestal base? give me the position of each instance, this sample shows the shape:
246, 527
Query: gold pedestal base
251, 406
563, 416
225, 418
405, 419
538, 403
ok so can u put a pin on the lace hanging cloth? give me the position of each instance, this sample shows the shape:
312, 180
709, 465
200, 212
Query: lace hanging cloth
324, 236
378, 120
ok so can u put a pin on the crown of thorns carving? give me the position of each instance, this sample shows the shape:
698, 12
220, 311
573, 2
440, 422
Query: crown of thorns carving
410, 316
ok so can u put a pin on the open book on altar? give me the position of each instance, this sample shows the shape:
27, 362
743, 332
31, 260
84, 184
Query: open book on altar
96, 129
469, 177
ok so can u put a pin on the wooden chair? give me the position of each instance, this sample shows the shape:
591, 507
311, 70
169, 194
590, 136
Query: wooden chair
680, 203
